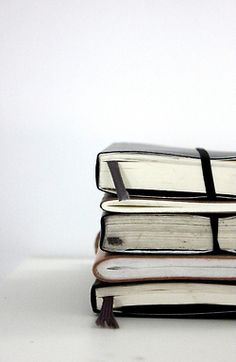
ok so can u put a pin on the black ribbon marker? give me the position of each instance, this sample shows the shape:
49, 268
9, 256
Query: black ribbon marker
214, 228
122, 193
210, 193
207, 173
106, 317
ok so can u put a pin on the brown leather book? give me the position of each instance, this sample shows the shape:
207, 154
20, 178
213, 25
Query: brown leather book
113, 268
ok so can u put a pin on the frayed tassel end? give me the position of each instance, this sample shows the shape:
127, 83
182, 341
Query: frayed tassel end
106, 317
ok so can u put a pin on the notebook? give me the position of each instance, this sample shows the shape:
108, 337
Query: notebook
111, 268
163, 299
173, 233
135, 204
154, 170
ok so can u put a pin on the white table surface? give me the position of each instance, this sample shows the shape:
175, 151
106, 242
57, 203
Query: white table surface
45, 316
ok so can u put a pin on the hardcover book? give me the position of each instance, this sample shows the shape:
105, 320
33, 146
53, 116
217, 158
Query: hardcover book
172, 233
113, 268
153, 170
163, 299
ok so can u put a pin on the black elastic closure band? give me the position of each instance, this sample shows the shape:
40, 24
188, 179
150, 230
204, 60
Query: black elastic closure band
207, 173
211, 194
122, 193
214, 220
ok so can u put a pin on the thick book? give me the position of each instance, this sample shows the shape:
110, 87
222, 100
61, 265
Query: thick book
152, 170
163, 299
171, 233
114, 268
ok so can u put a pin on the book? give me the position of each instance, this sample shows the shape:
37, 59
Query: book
163, 299
167, 244
114, 268
181, 233
135, 204
153, 170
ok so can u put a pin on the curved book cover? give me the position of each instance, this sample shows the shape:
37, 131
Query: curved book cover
161, 171
115, 268
167, 299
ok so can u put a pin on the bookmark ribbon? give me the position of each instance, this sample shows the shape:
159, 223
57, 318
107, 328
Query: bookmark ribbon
210, 193
207, 174
106, 317
122, 193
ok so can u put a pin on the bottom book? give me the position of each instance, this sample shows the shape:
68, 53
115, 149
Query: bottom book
206, 299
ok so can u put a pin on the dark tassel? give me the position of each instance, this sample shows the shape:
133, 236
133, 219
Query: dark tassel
106, 317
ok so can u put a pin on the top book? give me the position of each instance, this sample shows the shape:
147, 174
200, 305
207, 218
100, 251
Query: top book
150, 170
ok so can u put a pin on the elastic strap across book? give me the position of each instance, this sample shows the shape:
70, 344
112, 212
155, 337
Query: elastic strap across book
214, 228
207, 174
210, 193
122, 193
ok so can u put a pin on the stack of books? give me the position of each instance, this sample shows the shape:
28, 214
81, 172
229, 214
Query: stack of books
167, 244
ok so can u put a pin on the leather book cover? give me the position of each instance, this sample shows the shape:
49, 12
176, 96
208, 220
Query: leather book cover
200, 154
198, 311
104, 257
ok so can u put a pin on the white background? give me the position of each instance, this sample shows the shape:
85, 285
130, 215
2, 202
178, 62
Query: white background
78, 75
